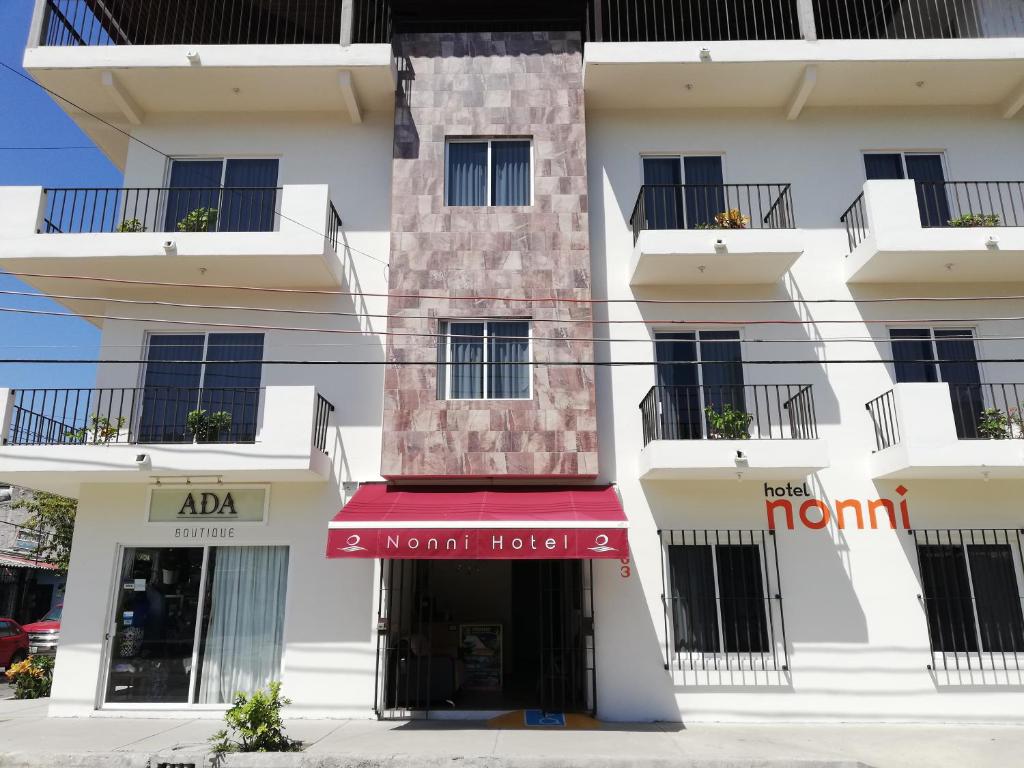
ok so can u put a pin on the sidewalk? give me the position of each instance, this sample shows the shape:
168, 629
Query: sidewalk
29, 740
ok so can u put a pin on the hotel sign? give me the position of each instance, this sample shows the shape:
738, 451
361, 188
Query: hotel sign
217, 505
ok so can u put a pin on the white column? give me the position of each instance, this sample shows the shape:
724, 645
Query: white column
347, 14
805, 14
6, 412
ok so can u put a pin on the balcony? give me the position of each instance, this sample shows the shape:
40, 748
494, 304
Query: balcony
948, 431
936, 232
127, 59
273, 237
715, 234
792, 54
730, 432
57, 439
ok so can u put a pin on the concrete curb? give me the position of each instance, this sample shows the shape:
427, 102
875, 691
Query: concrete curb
184, 759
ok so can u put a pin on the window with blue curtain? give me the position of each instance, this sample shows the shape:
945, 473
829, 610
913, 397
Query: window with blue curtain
466, 175
484, 360
194, 184
250, 196
663, 193
234, 368
705, 193
510, 173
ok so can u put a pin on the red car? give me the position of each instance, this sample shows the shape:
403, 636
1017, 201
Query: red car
43, 634
13, 643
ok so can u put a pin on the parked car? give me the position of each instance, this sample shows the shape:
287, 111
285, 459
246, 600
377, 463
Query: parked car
13, 643
43, 634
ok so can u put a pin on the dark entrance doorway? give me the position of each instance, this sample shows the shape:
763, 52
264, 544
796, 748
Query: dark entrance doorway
484, 635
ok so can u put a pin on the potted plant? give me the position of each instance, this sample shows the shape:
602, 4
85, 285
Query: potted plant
731, 219
131, 225
976, 220
199, 220
994, 424
100, 428
728, 423
207, 427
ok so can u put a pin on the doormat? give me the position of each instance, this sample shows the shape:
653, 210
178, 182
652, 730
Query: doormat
525, 719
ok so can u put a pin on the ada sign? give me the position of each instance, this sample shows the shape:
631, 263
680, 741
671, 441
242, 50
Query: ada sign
221, 504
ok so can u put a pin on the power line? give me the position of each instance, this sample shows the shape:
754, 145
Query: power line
435, 363
46, 149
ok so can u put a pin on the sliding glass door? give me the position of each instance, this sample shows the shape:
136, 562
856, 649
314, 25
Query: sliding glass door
195, 625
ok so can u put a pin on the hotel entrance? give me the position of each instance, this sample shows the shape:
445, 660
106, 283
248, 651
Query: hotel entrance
484, 636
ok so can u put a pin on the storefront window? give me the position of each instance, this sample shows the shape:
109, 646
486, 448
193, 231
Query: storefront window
197, 625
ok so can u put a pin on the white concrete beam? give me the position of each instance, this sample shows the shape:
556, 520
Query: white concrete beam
1014, 102
348, 94
132, 112
802, 93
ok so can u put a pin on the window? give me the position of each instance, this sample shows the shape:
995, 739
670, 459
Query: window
972, 601
214, 382
488, 172
484, 360
194, 625
723, 609
683, 192
943, 354
242, 195
697, 370
923, 167
6, 629
27, 541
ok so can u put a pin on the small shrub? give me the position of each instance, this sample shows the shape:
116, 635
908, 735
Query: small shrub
131, 225
728, 423
976, 220
994, 424
199, 220
206, 426
254, 725
32, 678
100, 430
731, 219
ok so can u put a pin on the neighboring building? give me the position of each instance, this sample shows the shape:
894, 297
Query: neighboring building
29, 586
785, 505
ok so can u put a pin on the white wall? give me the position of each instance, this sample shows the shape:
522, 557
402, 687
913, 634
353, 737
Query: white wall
856, 631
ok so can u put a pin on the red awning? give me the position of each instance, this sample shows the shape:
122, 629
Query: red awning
473, 523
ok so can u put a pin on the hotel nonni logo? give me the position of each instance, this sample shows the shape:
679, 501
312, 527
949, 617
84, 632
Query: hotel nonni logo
796, 502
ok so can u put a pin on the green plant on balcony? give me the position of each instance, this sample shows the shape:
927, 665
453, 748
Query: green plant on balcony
993, 424
976, 220
731, 219
207, 427
131, 225
99, 431
199, 220
728, 423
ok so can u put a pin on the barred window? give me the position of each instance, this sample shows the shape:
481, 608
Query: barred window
970, 586
722, 600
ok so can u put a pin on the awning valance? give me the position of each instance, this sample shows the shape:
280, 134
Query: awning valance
467, 523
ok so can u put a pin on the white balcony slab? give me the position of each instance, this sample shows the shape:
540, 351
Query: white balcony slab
767, 73
160, 79
734, 256
720, 460
928, 446
296, 255
897, 249
283, 452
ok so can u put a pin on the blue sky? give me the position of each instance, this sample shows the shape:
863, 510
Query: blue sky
32, 119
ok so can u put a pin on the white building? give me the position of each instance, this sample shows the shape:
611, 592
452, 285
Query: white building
802, 452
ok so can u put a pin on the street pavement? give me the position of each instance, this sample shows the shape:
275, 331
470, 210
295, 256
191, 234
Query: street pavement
28, 739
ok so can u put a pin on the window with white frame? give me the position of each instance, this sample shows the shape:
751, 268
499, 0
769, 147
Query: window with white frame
488, 172
484, 360
970, 586
222, 195
27, 541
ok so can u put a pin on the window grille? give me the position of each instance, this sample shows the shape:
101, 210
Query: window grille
970, 592
723, 601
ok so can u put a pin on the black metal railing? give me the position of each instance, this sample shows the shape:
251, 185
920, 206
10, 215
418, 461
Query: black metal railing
914, 20
972, 597
971, 203
988, 411
855, 219
162, 209
712, 207
211, 22
621, 21
729, 412
333, 226
321, 420
134, 415
722, 598
884, 420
